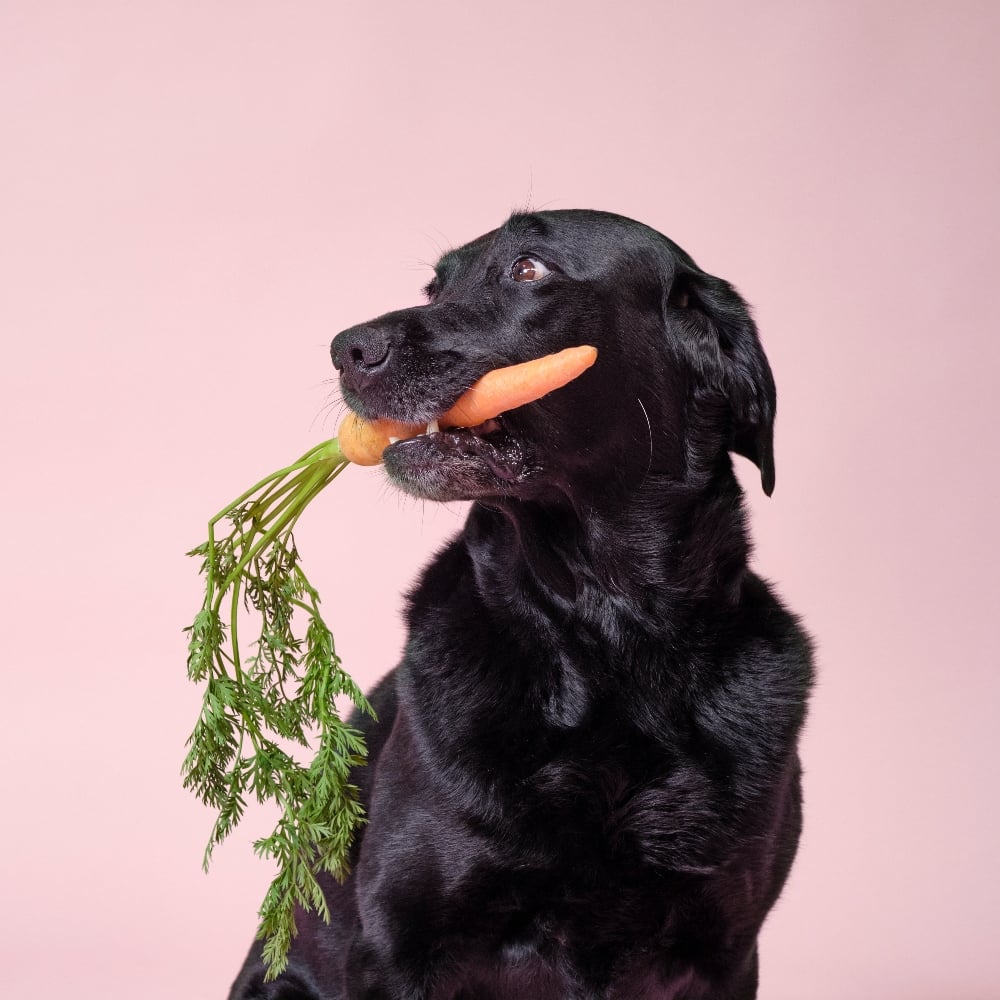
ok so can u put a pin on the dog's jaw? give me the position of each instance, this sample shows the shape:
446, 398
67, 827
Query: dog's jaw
458, 463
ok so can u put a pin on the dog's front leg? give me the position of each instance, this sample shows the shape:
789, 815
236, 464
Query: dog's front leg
403, 940
408, 856
373, 974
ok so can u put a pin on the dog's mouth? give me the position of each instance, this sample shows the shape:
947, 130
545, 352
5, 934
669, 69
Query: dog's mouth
458, 463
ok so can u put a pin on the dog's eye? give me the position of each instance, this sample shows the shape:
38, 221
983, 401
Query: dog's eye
528, 269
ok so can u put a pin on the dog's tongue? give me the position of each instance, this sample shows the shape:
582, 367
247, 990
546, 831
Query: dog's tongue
363, 441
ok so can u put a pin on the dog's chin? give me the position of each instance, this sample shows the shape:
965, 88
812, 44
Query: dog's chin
458, 463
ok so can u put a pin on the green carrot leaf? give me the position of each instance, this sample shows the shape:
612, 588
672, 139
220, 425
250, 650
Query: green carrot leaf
263, 703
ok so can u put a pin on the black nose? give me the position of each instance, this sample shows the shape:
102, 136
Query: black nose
362, 349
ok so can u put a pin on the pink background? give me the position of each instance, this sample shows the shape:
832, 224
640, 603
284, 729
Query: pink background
195, 197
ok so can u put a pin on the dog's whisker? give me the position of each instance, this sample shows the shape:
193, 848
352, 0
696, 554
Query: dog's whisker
333, 405
419, 264
441, 247
649, 428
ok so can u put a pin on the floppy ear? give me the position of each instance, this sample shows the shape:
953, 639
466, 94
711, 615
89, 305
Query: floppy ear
721, 338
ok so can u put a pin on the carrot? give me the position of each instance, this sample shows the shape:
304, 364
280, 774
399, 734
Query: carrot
363, 441
508, 388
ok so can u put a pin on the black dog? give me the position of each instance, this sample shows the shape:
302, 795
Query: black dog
584, 782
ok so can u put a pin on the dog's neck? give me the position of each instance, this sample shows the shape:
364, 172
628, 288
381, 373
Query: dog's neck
667, 550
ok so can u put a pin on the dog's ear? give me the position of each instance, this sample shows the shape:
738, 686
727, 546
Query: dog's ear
720, 338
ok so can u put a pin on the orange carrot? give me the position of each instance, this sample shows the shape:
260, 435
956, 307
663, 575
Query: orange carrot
363, 441
508, 388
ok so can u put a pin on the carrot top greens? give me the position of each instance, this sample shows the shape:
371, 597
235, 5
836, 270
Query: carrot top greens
259, 707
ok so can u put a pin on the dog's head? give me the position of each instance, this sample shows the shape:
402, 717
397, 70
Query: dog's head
680, 377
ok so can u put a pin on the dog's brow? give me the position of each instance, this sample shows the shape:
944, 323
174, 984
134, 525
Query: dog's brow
447, 266
528, 229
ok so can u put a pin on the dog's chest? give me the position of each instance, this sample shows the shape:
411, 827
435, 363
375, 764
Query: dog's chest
605, 940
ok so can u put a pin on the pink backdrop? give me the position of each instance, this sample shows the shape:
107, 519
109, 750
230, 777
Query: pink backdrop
195, 197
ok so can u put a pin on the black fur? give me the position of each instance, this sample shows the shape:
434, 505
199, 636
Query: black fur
584, 782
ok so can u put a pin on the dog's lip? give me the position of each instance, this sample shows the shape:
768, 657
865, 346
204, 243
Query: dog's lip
434, 427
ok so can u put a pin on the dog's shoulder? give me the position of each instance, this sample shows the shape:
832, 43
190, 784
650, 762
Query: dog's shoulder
748, 691
771, 651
